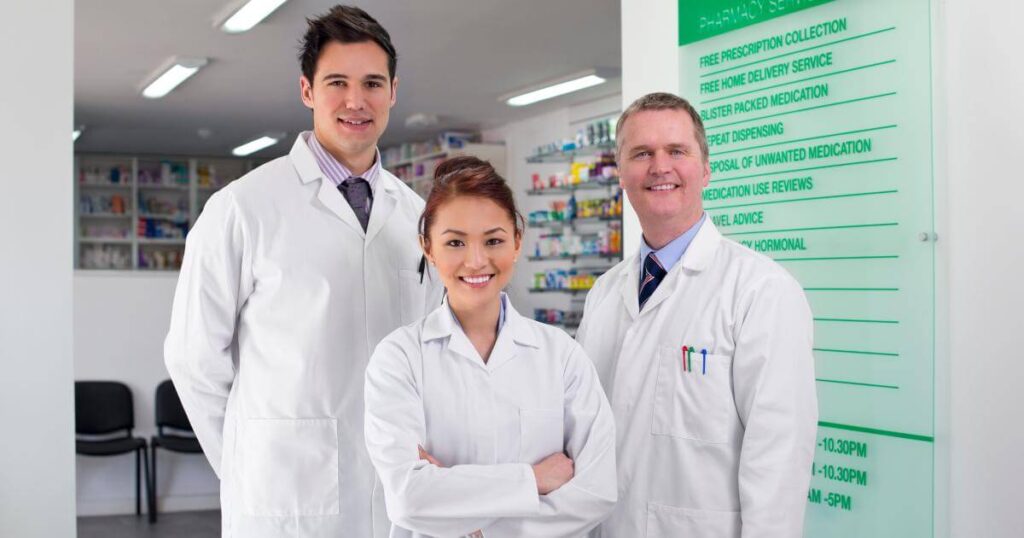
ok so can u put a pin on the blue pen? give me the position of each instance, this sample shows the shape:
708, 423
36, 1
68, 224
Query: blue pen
704, 362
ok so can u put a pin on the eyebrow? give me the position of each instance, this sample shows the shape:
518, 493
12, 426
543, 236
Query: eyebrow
371, 76
674, 145
459, 232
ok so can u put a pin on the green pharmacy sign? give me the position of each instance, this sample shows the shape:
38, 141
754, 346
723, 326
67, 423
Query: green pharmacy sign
818, 116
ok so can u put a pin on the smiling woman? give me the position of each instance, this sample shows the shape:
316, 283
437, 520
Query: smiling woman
478, 419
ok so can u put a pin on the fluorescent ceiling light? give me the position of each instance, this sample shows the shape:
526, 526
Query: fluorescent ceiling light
173, 73
77, 133
245, 17
555, 88
260, 143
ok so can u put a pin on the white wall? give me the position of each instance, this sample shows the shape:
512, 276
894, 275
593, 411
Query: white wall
979, 115
36, 397
521, 138
983, 115
120, 320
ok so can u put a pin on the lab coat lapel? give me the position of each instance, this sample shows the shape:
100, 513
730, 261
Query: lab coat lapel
516, 332
697, 257
384, 201
308, 169
629, 286
441, 324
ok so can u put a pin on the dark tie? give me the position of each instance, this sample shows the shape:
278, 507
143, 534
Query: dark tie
653, 274
357, 191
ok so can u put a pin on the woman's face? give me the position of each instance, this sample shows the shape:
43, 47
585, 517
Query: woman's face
474, 247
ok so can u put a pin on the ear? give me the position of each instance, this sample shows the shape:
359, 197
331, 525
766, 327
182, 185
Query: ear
394, 90
306, 91
426, 249
707, 172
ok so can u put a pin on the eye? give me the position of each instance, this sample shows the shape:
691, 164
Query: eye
336, 83
641, 154
677, 153
455, 243
494, 241
374, 84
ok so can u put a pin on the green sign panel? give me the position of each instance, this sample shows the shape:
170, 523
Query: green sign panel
818, 115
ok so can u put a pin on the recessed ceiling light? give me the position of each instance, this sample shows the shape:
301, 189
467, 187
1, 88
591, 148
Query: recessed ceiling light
253, 146
240, 18
554, 88
170, 75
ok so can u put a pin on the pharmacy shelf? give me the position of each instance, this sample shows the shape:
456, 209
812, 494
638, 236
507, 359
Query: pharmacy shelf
592, 185
570, 155
572, 222
418, 159
574, 257
106, 215
92, 187
105, 240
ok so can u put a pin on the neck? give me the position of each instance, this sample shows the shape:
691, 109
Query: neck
357, 163
480, 323
658, 233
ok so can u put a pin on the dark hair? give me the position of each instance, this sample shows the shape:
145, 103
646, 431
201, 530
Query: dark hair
345, 24
664, 101
468, 176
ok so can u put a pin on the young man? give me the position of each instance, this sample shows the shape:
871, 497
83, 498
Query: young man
704, 349
291, 277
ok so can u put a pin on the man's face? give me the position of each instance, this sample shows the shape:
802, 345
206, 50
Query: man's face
351, 96
662, 170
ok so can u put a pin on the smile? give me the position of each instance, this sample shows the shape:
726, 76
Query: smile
476, 280
355, 122
663, 187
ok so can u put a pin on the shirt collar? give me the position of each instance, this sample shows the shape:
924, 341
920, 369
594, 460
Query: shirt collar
671, 253
501, 312
334, 170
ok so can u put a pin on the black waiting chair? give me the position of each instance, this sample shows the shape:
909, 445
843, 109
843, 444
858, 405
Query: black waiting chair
104, 419
179, 437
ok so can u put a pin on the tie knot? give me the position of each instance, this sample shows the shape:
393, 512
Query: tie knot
653, 266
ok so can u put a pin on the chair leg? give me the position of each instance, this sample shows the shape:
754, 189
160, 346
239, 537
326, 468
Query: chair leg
151, 486
138, 482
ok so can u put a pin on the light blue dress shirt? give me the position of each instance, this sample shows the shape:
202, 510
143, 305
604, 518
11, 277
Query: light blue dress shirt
671, 253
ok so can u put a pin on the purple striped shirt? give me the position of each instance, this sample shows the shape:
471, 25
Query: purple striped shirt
334, 170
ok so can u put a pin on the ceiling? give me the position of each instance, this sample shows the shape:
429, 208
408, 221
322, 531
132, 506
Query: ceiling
455, 58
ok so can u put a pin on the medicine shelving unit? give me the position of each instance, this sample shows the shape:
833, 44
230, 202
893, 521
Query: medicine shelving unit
133, 212
417, 171
588, 265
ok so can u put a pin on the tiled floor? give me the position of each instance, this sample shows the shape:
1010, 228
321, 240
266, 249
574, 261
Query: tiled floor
170, 525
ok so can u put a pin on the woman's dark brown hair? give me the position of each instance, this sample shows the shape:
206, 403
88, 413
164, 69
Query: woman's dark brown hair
468, 176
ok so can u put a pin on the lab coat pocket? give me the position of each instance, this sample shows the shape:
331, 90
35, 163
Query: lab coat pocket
541, 434
290, 467
693, 397
672, 522
412, 295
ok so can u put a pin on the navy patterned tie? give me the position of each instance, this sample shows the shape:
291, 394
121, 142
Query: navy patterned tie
357, 191
653, 274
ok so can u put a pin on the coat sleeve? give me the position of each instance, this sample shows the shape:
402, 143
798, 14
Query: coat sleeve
586, 500
421, 497
773, 376
212, 287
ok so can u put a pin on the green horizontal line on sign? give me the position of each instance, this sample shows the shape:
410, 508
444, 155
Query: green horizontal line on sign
852, 352
762, 146
832, 258
887, 433
770, 58
781, 172
825, 75
850, 320
777, 114
851, 289
806, 199
873, 385
815, 228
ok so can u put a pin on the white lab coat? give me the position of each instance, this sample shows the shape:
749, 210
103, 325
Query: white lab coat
724, 448
537, 395
280, 300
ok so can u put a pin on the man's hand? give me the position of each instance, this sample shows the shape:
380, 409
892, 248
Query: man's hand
424, 455
552, 472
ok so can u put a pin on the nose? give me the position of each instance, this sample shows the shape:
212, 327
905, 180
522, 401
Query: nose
661, 164
476, 258
354, 99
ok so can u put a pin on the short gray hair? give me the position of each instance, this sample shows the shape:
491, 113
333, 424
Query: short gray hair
663, 101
